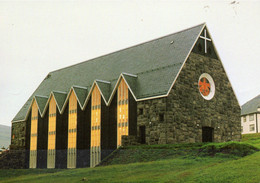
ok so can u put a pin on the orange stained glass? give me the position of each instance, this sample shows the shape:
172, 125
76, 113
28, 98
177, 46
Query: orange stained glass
52, 124
204, 86
95, 117
34, 127
72, 128
122, 111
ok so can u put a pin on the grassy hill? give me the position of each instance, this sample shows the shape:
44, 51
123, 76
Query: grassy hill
5, 136
213, 162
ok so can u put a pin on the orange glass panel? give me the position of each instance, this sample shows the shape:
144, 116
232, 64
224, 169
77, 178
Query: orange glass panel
204, 86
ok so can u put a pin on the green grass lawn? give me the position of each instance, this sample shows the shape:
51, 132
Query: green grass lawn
223, 162
253, 139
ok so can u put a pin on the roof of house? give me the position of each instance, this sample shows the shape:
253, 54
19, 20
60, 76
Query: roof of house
251, 106
149, 69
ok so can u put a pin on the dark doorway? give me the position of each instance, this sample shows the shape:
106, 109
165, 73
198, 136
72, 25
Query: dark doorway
207, 134
142, 134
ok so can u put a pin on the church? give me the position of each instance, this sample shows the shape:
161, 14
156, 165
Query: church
172, 89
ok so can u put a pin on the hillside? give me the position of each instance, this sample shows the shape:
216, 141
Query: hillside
5, 136
212, 162
145, 153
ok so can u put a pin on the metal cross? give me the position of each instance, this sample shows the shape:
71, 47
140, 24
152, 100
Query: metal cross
206, 39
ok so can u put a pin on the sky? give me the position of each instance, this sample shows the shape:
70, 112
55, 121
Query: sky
38, 37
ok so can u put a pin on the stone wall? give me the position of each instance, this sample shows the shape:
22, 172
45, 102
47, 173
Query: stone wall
14, 159
148, 115
129, 140
18, 135
180, 116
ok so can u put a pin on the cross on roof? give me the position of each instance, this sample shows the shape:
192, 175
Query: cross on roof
206, 39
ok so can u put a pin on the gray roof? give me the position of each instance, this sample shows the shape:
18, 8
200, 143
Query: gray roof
251, 106
155, 63
81, 94
41, 102
60, 98
105, 89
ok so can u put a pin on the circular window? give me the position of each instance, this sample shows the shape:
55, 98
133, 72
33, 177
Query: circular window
206, 86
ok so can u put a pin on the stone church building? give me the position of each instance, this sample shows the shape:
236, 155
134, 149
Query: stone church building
173, 89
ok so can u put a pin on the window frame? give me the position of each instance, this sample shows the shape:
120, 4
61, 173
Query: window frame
252, 127
251, 117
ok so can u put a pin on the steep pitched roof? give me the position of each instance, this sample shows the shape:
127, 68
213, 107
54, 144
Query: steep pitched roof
104, 88
131, 81
156, 64
81, 93
251, 106
60, 98
41, 102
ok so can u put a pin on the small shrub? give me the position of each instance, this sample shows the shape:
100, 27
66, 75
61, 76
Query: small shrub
232, 148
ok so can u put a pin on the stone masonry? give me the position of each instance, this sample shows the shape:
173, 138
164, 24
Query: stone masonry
18, 135
179, 118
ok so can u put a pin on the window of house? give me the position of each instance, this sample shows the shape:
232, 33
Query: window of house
244, 119
251, 127
251, 117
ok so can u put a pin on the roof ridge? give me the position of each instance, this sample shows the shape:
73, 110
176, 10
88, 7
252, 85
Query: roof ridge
102, 81
77, 86
113, 52
42, 96
58, 91
128, 74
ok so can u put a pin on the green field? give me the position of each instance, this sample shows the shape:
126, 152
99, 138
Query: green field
223, 162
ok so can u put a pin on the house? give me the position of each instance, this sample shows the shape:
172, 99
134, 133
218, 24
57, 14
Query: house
169, 90
250, 116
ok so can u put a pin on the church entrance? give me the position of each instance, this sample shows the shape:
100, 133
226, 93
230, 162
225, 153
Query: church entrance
142, 134
207, 134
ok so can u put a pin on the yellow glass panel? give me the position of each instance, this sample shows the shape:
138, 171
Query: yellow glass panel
34, 126
95, 117
52, 124
122, 112
72, 126
95, 156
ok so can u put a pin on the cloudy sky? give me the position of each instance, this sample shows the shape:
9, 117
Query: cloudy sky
41, 36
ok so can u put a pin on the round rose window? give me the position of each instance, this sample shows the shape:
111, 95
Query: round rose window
206, 86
